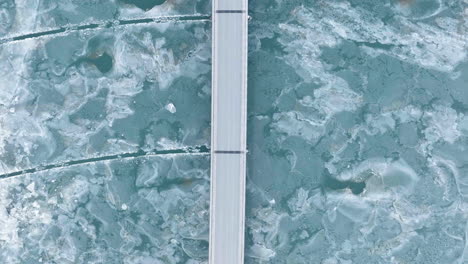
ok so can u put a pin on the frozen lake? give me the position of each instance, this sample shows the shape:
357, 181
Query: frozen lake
357, 131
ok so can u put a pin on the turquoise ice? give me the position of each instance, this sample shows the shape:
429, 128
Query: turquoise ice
357, 133
99, 107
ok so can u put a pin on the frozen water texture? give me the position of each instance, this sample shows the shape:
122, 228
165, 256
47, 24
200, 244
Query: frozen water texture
103, 92
93, 123
145, 210
358, 132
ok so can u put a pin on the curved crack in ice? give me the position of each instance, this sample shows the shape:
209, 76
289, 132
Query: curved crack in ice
107, 24
201, 150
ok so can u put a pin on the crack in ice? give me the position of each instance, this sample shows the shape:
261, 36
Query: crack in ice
201, 150
106, 24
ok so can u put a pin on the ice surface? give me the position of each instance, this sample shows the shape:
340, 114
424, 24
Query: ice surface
145, 210
103, 92
96, 126
357, 132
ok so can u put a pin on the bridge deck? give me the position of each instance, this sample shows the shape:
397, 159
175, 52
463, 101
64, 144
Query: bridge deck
228, 154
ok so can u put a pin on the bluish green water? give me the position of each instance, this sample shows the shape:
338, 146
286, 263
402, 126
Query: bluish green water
357, 133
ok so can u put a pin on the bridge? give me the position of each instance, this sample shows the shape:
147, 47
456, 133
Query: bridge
228, 131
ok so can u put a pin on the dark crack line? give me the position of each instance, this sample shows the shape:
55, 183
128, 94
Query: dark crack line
138, 154
107, 24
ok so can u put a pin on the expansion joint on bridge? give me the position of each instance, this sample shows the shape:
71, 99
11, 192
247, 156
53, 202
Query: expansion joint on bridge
229, 152
230, 11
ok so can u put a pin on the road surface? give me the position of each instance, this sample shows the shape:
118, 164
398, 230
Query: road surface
228, 151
